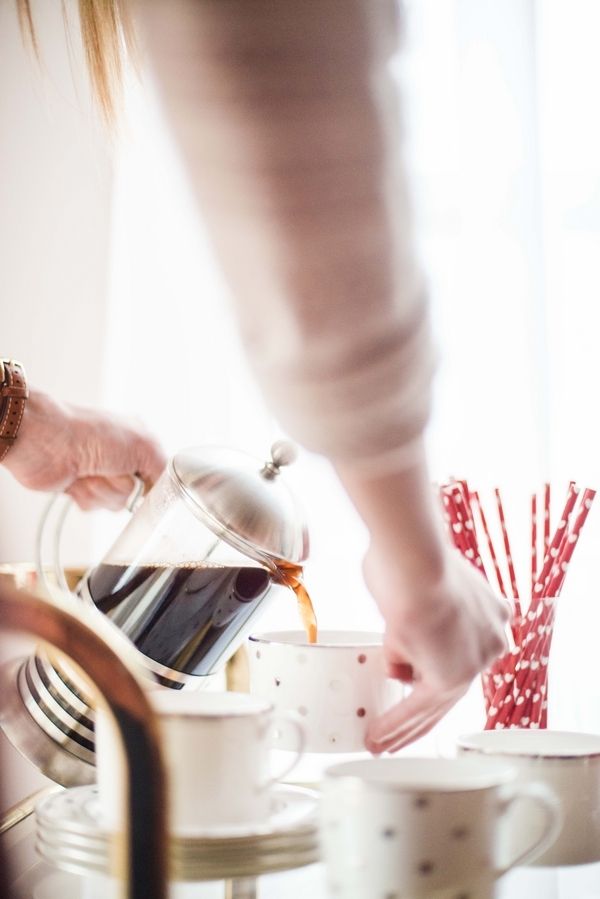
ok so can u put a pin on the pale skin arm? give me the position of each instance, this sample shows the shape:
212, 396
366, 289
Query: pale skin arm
286, 117
89, 454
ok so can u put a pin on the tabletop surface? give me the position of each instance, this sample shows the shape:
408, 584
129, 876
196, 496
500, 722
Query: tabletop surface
44, 882
39, 880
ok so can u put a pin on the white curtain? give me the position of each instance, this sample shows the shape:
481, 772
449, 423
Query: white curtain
503, 143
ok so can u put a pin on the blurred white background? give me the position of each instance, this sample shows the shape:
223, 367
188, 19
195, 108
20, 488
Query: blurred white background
109, 292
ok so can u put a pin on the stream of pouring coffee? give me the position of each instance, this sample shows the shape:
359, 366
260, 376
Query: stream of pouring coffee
291, 575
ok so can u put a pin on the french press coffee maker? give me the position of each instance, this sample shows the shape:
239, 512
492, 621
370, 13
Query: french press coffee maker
205, 552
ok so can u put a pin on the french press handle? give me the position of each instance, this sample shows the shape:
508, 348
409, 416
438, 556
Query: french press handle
49, 536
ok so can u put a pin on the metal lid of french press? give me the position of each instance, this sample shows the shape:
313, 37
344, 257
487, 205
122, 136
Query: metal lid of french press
245, 502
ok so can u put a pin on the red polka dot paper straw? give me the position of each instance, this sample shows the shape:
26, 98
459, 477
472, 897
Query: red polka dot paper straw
465, 517
533, 539
466, 494
543, 577
453, 522
526, 674
553, 588
534, 635
459, 521
479, 508
546, 517
507, 549
531, 678
569, 543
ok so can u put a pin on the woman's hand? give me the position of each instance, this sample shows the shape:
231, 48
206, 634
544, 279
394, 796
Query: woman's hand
440, 633
90, 455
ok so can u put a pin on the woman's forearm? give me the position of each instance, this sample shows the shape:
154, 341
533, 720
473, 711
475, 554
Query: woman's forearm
287, 117
398, 510
286, 113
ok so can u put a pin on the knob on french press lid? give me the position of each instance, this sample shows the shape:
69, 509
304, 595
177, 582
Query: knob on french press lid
282, 453
245, 502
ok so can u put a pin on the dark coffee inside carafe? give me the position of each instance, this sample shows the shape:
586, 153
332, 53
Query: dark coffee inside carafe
184, 617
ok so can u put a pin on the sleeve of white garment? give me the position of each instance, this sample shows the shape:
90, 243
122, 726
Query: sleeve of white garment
288, 118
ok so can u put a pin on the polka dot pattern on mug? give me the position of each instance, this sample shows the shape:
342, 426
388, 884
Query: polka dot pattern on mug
425, 868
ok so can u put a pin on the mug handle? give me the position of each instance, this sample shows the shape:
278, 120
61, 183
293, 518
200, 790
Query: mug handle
547, 801
294, 720
48, 556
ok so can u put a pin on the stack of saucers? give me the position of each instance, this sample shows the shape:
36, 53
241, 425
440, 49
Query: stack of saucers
71, 836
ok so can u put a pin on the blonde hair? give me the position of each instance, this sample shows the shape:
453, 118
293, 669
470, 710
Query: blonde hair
107, 36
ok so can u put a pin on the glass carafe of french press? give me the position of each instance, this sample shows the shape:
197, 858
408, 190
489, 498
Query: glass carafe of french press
198, 561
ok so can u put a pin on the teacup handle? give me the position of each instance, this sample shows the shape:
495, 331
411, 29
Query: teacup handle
298, 727
547, 801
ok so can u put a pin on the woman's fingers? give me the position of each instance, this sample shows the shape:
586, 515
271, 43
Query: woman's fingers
109, 447
424, 727
402, 671
102, 493
410, 718
397, 665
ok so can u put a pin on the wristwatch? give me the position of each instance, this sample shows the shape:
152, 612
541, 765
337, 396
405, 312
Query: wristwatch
13, 395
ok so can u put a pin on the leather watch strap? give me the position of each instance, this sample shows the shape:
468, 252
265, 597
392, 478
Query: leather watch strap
13, 394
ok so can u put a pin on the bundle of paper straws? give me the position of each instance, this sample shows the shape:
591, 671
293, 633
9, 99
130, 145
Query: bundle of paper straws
516, 687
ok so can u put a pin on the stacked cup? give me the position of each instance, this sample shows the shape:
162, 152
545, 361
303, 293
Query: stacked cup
216, 748
228, 814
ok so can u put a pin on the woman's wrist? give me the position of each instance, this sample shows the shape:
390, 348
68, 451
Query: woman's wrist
44, 455
89, 453
399, 511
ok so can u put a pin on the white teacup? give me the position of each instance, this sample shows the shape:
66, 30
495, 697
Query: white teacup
409, 827
336, 685
569, 763
217, 748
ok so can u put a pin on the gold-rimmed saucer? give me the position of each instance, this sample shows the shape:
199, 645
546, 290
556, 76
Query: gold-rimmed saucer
71, 835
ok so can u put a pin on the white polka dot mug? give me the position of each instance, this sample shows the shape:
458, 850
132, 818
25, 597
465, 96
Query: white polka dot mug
336, 685
408, 828
217, 748
568, 763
